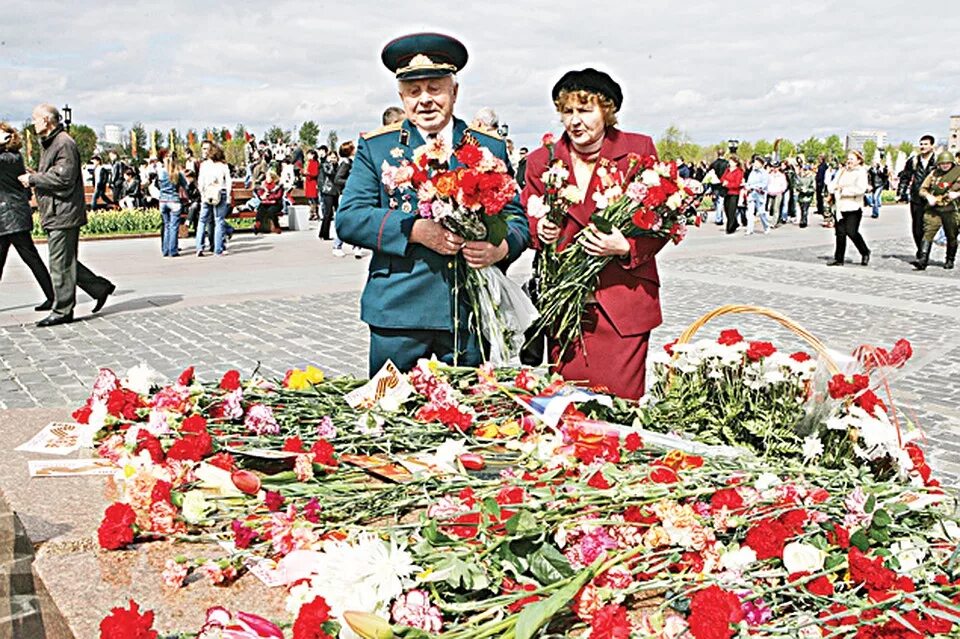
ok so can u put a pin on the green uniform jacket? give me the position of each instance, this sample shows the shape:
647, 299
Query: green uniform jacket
939, 184
409, 286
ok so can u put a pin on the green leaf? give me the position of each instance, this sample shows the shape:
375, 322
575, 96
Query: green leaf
496, 228
881, 519
833, 561
859, 539
871, 504
549, 565
521, 523
491, 507
535, 615
458, 573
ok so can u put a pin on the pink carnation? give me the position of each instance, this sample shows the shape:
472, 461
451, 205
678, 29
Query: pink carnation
261, 421
413, 609
174, 574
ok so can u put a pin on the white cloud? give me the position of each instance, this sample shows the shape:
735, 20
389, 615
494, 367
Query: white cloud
757, 68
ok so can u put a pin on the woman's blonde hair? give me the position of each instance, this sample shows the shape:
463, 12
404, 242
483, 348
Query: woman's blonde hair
272, 176
13, 142
856, 153
607, 107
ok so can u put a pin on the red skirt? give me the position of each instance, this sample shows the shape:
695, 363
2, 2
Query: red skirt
604, 358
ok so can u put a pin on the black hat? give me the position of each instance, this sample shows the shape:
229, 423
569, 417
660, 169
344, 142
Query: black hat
590, 80
424, 55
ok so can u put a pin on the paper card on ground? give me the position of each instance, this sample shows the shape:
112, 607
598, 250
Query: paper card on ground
266, 571
388, 385
70, 467
264, 453
56, 438
381, 467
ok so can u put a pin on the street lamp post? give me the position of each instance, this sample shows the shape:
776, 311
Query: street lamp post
67, 116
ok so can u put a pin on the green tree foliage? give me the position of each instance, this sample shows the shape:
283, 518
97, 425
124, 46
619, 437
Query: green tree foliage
233, 150
240, 131
869, 151
86, 139
332, 140
763, 147
745, 152
275, 134
142, 142
906, 148
787, 149
309, 132
812, 148
835, 148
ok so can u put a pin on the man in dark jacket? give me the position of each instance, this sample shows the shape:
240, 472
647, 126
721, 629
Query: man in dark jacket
59, 191
821, 183
117, 167
912, 177
719, 167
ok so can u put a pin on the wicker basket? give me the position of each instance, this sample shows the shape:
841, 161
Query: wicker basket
786, 322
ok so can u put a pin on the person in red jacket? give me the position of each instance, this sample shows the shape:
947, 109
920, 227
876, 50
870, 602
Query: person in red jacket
732, 181
625, 307
310, 174
271, 196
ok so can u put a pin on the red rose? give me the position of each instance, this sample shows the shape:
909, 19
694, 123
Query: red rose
469, 154
310, 620
323, 453
128, 624
767, 538
117, 528
632, 442
598, 481
610, 622
727, 498
759, 350
273, 501
730, 337
230, 380
713, 611
186, 377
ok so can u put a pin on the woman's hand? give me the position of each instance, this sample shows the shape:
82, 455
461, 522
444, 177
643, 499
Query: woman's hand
547, 231
597, 244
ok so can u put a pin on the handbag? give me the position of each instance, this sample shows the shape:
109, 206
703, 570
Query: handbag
211, 194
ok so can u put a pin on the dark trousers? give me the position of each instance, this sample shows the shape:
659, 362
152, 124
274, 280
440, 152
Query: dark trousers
405, 346
268, 215
100, 195
329, 210
848, 225
917, 208
804, 211
730, 210
28, 253
68, 273
821, 189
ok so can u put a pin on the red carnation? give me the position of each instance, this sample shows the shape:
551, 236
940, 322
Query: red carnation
122, 623
123, 403
149, 443
868, 401
610, 622
727, 498
800, 356
767, 538
230, 380
293, 445
759, 350
510, 495
323, 453
548, 139
186, 377
632, 442
730, 337
645, 218
191, 447
82, 414
598, 481
310, 620
669, 347
224, 461
821, 586
713, 611
839, 536
793, 521
869, 571
243, 536
117, 528
194, 424
273, 500
662, 474
469, 154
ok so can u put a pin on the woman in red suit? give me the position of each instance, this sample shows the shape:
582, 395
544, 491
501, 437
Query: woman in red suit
625, 307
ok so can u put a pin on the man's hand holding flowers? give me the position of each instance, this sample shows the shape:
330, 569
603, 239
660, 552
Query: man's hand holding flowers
481, 253
435, 237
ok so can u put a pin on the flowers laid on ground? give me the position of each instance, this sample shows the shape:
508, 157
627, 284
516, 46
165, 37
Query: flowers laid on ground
574, 530
649, 199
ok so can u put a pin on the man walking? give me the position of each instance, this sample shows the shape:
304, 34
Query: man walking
117, 167
821, 182
59, 191
101, 176
409, 301
719, 167
911, 179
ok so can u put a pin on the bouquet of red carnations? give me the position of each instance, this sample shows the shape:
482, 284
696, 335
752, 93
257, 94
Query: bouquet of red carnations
648, 200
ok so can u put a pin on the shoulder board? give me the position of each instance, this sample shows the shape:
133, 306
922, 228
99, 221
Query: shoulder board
396, 126
495, 136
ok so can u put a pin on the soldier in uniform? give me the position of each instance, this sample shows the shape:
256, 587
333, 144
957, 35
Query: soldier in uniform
408, 300
940, 190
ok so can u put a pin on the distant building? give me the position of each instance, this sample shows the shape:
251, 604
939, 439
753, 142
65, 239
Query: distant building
954, 142
111, 134
856, 139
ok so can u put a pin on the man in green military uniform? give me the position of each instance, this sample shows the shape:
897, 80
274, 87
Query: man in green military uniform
941, 190
409, 301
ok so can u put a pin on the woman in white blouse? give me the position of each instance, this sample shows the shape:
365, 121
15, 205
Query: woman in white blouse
848, 188
214, 183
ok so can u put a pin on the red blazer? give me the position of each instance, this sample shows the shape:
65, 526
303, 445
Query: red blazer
629, 290
732, 180
310, 174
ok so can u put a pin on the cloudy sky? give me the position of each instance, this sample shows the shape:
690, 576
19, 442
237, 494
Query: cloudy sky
739, 69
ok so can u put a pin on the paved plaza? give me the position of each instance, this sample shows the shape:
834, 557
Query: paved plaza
282, 301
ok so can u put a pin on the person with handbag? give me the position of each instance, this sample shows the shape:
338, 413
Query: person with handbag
848, 188
214, 183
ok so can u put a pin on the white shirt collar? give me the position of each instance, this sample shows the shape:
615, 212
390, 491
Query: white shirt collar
445, 134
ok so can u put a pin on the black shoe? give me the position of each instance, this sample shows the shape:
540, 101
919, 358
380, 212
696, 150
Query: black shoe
835, 263
46, 306
865, 260
803, 225
53, 320
103, 298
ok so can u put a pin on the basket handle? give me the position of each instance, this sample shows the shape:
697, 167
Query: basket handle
783, 320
